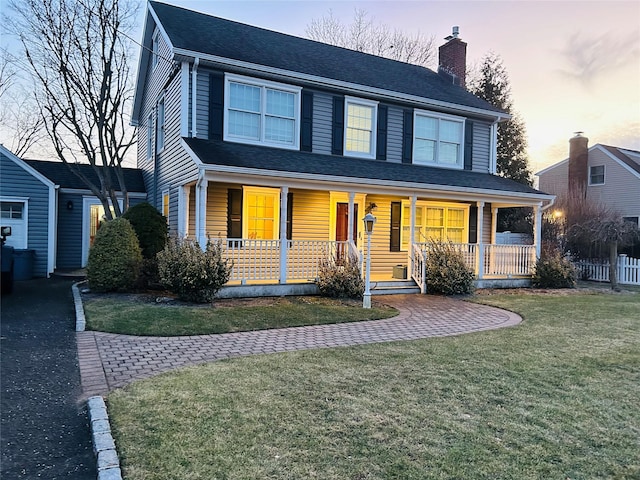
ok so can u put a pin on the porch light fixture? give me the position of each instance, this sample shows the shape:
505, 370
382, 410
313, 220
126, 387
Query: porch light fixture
369, 222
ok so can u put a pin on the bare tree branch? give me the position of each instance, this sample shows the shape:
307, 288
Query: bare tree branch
366, 36
78, 58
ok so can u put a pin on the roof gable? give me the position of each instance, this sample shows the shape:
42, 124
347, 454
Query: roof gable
26, 167
302, 56
625, 157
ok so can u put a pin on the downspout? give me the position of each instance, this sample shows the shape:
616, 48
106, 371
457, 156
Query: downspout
194, 99
201, 209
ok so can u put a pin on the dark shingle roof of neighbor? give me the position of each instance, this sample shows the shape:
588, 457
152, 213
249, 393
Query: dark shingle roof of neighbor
198, 32
215, 152
60, 174
620, 155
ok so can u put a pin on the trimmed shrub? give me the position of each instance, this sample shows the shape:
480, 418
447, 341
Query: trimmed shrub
446, 270
191, 273
340, 279
150, 227
114, 257
554, 271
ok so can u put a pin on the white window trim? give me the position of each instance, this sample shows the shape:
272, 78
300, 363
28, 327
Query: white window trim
263, 85
275, 192
446, 206
25, 216
439, 116
155, 49
604, 175
161, 126
374, 126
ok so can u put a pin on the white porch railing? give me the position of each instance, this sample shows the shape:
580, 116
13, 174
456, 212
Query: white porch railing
259, 260
418, 268
509, 260
628, 270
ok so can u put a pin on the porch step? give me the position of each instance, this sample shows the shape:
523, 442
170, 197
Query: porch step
394, 287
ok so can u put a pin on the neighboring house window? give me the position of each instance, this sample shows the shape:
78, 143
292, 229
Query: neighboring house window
435, 223
150, 136
154, 49
596, 175
438, 139
360, 120
160, 126
261, 213
262, 112
165, 203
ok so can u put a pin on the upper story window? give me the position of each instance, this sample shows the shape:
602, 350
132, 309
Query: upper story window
154, 48
262, 112
360, 127
160, 126
438, 139
596, 175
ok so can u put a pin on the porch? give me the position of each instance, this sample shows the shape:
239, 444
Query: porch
275, 267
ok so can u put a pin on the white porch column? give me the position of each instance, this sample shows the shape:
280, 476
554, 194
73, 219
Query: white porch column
183, 211
412, 234
201, 212
537, 228
350, 219
284, 244
494, 224
479, 241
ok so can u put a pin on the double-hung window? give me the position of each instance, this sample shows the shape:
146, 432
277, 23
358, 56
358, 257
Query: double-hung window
360, 127
261, 211
150, 135
596, 175
262, 112
435, 223
438, 139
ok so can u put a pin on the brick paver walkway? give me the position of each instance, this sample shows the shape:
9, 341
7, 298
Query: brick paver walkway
109, 361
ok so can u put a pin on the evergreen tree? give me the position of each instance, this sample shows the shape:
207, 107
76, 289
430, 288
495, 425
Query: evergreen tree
492, 84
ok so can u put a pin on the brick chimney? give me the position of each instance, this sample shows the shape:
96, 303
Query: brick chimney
452, 59
578, 163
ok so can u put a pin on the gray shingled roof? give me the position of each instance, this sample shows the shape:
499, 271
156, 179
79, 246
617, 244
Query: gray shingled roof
215, 152
198, 32
620, 155
60, 174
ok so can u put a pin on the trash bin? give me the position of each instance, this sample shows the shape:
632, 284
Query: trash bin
23, 263
6, 258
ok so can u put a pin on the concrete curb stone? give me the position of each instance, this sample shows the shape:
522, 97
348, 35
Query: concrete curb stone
77, 300
103, 444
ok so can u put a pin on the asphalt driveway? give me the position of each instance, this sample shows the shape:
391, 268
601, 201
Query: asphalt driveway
44, 426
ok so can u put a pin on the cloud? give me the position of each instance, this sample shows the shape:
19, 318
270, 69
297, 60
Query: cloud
590, 56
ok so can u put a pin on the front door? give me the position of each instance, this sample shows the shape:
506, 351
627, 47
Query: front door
342, 222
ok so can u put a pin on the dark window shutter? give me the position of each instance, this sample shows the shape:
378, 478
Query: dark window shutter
473, 225
396, 214
337, 138
407, 137
234, 213
216, 106
289, 215
381, 141
468, 145
306, 125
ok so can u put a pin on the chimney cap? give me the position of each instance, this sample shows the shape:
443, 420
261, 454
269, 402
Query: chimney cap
455, 32
578, 134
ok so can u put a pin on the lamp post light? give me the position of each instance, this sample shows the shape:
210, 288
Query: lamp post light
369, 221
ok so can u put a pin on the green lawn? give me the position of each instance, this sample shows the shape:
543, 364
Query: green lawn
122, 314
555, 397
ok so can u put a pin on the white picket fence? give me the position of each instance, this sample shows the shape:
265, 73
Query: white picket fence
628, 270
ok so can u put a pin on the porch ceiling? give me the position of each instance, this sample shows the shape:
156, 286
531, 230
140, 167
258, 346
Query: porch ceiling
260, 160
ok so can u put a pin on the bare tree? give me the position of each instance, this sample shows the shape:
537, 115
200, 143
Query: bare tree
79, 58
366, 36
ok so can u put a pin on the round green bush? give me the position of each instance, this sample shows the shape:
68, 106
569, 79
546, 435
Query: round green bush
150, 227
114, 257
446, 270
554, 271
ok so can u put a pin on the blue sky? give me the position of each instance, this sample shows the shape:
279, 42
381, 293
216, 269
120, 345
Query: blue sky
573, 65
